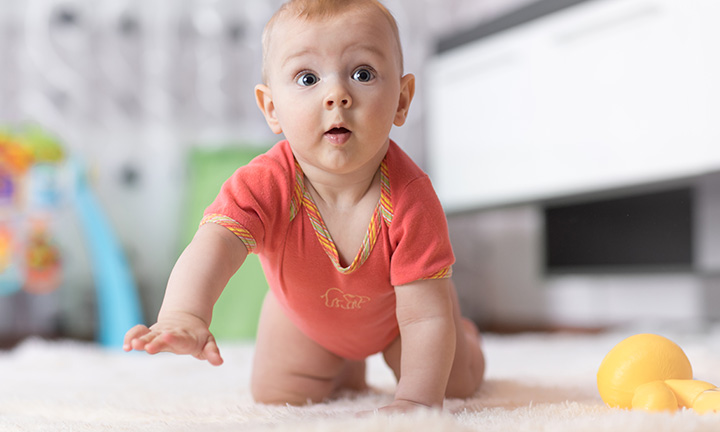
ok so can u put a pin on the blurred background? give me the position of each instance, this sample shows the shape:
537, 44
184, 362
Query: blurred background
572, 142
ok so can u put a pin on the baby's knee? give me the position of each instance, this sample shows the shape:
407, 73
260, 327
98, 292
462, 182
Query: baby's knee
268, 395
465, 388
468, 371
291, 390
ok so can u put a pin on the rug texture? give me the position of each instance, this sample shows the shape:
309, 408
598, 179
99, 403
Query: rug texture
534, 382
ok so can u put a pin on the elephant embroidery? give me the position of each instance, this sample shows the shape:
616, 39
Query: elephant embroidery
336, 298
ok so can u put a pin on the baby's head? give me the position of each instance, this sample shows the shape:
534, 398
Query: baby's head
333, 81
319, 10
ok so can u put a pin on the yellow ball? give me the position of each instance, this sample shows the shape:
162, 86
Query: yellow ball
654, 396
638, 360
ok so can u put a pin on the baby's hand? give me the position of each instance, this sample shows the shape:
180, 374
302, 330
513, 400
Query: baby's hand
178, 333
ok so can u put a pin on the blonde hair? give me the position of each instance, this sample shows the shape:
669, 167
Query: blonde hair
318, 10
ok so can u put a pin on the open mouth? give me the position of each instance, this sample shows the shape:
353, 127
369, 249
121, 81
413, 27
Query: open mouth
337, 131
338, 135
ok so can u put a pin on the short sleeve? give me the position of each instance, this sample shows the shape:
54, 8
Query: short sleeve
419, 233
252, 202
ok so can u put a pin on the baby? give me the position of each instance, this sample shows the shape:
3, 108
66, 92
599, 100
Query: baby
350, 233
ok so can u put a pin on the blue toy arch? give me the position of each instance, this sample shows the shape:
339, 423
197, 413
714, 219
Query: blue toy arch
117, 296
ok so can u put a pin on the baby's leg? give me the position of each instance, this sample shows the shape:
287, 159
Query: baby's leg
468, 368
291, 368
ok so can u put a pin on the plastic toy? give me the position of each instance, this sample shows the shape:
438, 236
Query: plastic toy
15, 160
117, 295
30, 160
14, 155
652, 373
29, 259
10, 278
42, 260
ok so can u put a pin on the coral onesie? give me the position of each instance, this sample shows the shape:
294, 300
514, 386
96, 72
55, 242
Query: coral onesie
348, 310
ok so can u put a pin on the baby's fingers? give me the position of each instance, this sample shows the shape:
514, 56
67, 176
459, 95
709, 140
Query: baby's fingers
156, 342
148, 340
179, 341
211, 353
185, 343
133, 334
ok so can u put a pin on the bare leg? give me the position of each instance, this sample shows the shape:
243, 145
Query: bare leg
352, 377
291, 368
468, 368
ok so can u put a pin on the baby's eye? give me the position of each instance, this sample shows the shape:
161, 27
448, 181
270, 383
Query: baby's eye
307, 79
363, 75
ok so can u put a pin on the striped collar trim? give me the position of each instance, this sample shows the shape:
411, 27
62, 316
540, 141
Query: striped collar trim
383, 212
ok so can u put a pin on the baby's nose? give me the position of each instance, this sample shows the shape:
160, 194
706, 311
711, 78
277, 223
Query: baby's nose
338, 97
344, 102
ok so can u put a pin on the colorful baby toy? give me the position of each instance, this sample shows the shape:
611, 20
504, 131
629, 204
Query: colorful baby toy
652, 373
30, 160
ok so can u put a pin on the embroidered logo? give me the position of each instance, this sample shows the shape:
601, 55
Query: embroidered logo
336, 298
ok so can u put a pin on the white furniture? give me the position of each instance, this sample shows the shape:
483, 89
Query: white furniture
566, 100
599, 95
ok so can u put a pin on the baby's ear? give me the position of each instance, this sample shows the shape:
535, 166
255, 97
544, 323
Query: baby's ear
407, 91
263, 97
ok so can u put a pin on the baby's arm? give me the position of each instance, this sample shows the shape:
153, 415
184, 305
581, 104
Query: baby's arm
427, 333
195, 283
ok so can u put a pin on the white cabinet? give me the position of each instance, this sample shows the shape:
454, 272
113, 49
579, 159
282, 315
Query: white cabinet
603, 94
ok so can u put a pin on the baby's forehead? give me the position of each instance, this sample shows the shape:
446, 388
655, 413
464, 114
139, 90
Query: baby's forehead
288, 18
278, 28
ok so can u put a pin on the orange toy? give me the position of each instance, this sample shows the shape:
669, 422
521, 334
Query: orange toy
42, 260
652, 373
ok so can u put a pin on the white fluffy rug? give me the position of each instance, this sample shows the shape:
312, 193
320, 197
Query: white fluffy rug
534, 383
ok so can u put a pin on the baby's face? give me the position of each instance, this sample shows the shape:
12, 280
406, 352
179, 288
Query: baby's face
336, 87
